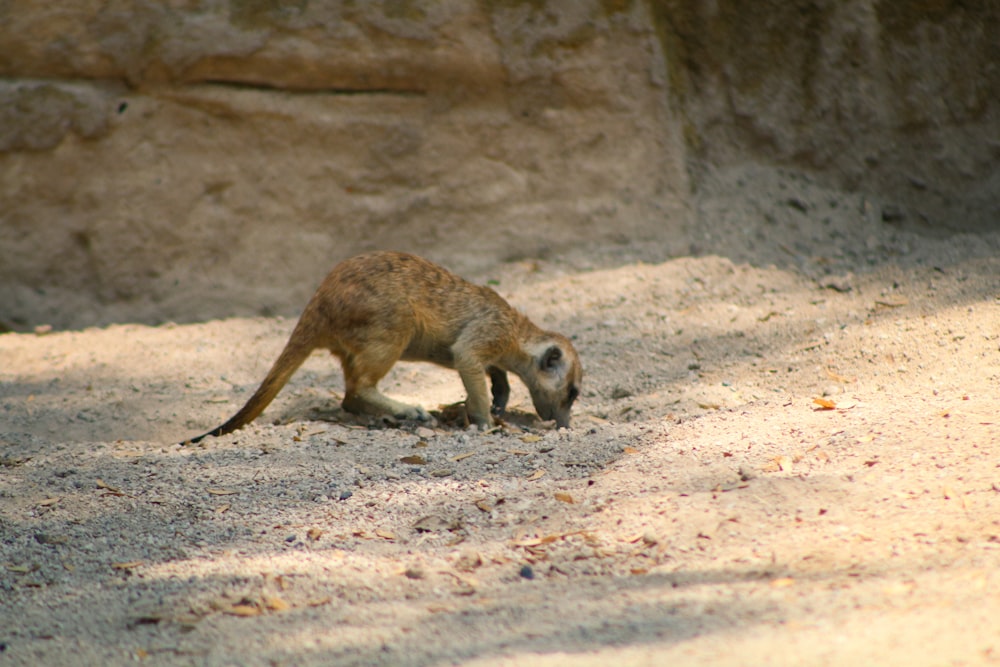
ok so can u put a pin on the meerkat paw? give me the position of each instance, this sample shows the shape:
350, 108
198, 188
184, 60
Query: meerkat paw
372, 402
483, 420
414, 412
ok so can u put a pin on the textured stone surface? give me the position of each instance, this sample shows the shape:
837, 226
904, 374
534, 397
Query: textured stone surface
189, 160
193, 160
900, 98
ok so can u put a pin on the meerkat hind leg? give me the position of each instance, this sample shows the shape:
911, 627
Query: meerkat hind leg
361, 395
369, 400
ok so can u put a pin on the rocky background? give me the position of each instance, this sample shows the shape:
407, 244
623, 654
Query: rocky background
188, 160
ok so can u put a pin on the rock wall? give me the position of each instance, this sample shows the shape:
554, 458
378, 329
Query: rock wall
897, 97
188, 160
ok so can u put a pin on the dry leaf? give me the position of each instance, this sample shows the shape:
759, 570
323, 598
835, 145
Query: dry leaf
48, 502
464, 588
433, 523
132, 564
385, 534
414, 459
564, 497
639, 570
319, 602
538, 474
778, 463
784, 582
483, 506
528, 439
824, 403
443, 472
468, 561
221, 492
528, 542
102, 485
314, 534
462, 457
244, 610
630, 450
222, 508
837, 378
11, 462
276, 603
519, 452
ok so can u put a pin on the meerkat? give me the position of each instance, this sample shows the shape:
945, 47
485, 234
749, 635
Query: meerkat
378, 308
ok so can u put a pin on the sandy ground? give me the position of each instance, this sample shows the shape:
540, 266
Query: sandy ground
704, 510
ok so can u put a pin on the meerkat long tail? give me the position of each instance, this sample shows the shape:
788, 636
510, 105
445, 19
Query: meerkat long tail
291, 358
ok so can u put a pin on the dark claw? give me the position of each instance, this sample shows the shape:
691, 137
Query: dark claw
501, 391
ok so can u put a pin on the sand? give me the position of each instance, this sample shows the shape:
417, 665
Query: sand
784, 454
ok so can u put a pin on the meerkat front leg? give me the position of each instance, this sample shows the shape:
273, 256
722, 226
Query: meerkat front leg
501, 390
477, 403
473, 374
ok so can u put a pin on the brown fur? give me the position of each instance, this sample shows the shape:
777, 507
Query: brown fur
375, 309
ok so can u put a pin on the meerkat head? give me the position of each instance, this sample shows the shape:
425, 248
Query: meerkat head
555, 380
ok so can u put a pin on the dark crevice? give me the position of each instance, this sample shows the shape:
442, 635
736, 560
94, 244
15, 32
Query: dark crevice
268, 87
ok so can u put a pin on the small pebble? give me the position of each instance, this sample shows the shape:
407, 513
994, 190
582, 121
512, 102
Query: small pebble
527, 572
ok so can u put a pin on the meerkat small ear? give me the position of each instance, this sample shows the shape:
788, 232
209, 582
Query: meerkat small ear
551, 358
